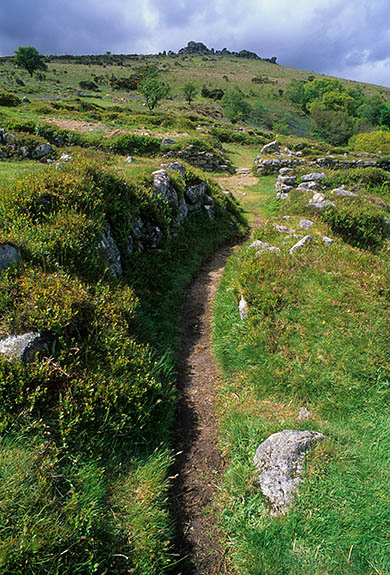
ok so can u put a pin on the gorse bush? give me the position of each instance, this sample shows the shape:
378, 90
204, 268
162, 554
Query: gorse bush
372, 142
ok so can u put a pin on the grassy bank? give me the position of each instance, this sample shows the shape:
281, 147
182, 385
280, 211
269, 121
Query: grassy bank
85, 431
316, 336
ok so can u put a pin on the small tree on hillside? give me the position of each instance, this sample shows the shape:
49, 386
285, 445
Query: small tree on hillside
153, 90
234, 106
29, 58
189, 91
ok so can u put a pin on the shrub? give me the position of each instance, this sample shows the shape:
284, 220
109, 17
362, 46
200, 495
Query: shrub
372, 142
134, 144
358, 222
9, 100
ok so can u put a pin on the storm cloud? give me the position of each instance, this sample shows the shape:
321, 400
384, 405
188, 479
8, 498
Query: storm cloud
349, 38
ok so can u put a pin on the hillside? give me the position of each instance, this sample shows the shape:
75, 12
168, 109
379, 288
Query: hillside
120, 176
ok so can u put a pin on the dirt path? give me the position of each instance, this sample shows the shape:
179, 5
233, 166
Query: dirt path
199, 467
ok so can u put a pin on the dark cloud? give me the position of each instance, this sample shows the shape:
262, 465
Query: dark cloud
341, 37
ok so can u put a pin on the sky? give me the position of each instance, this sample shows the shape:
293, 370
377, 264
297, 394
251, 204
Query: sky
345, 38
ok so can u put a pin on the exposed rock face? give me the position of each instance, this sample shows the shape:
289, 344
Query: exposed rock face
9, 256
308, 186
327, 241
279, 461
24, 347
42, 151
111, 253
319, 202
175, 166
194, 48
162, 185
343, 193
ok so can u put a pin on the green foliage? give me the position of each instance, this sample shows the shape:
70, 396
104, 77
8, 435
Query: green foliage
234, 106
335, 127
189, 92
372, 142
135, 144
315, 336
359, 222
9, 100
29, 58
153, 90
213, 93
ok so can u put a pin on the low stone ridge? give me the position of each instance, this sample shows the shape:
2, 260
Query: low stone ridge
266, 166
279, 460
13, 148
9, 256
24, 347
271, 148
205, 160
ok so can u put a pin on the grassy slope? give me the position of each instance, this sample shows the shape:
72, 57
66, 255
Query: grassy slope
316, 336
104, 511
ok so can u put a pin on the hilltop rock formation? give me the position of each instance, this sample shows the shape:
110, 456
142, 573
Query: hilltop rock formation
200, 49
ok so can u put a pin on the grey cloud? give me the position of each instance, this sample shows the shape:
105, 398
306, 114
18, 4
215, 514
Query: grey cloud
349, 37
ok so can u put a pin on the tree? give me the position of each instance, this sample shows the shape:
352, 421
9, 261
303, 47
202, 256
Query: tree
29, 58
234, 106
189, 91
153, 90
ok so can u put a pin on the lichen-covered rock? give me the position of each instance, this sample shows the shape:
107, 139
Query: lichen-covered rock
300, 244
308, 186
327, 241
259, 244
271, 148
314, 177
42, 151
196, 195
279, 462
24, 347
111, 253
9, 256
168, 141
305, 224
283, 229
319, 202
162, 185
343, 193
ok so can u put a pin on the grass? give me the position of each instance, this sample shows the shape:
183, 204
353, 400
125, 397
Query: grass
85, 435
315, 337
86, 432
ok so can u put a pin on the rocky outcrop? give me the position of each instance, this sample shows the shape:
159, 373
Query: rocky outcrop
111, 253
279, 461
24, 347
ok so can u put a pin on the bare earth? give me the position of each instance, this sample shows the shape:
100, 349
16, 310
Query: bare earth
199, 467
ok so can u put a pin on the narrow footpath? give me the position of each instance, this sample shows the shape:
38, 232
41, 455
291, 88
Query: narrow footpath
199, 467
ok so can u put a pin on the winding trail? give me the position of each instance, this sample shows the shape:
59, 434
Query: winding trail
199, 467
